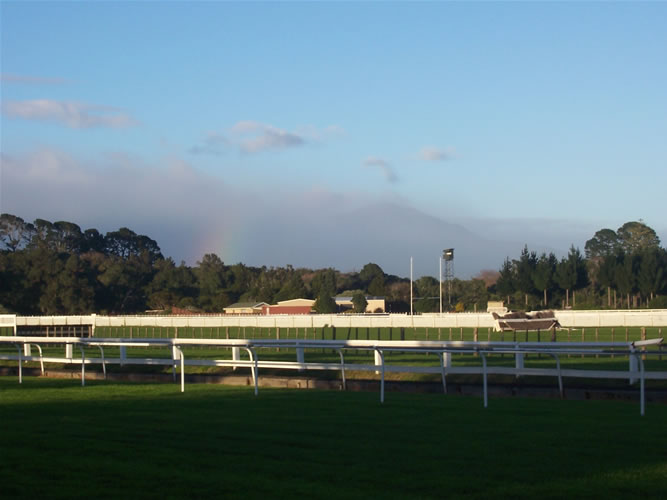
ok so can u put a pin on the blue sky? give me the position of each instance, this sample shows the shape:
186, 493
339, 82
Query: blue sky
265, 132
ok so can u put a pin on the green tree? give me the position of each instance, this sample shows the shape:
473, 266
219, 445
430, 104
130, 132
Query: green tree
427, 294
543, 275
506, 283
625, 275
369, 272
571, 274
604, 243
606, 274
524, 271
376, 287
292, 289
15, 233
210, 273
359, 302
637, 236
170, 285
652, 275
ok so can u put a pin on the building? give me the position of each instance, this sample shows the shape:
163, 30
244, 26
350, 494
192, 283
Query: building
374, 304
246, 308
293, 306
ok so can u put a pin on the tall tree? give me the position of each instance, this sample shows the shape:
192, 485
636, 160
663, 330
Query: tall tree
292, 289
571, 274
543, 276
525, 269
210, 273
506, 283
125, 243
15, 233
637, 236
652, 275
606, 274
625, 275
604, 243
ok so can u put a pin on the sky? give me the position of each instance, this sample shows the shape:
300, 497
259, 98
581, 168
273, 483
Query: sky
336, 134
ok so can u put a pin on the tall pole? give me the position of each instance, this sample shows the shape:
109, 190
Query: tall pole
410, 286
440, 263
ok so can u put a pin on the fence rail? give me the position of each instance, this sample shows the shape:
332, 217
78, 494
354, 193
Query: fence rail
444, 350
567, 319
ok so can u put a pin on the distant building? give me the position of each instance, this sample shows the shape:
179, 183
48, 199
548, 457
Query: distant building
497, 307
375, 304
246, 308
293, 306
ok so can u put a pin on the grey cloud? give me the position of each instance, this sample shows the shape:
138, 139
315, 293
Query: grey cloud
384, 166
435, 154
69, 113
214, 144
190, 213
31, 80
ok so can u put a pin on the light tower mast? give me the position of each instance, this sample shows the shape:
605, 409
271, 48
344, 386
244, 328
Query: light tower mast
448, 257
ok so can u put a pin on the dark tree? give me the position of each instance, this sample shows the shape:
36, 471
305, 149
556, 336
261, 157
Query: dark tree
359, 302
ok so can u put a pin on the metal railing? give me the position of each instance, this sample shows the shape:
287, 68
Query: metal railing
443, 349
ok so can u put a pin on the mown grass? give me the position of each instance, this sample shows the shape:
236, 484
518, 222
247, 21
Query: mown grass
108, 440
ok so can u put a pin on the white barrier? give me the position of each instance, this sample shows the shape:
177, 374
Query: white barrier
567, 319
443, 349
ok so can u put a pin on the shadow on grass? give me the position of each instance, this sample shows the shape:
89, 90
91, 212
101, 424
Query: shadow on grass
111, 440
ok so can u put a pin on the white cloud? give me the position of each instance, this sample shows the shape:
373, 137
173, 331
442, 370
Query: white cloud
250, 137
33, 80
384, 166
255, 137
69, 113
435, 154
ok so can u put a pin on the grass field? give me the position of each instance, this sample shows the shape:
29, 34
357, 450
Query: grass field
59, 440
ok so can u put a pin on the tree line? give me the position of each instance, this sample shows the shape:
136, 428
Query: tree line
623, 268
58, 268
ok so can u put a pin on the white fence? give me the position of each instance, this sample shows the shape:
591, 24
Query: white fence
444, 350
567, 319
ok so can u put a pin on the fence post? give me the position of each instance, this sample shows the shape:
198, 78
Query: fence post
377, 361
583, 337
612, 339
634, 368
518, 361
644, 338
236, 356
300, 357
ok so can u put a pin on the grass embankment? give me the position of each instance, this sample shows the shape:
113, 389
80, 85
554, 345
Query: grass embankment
59, 440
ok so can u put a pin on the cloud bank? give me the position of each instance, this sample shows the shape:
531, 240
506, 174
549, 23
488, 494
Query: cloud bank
71, 114
190, 213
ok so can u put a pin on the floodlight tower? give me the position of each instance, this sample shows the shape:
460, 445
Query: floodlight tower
448, 257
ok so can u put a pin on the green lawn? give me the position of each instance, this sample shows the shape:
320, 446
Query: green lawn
108, 440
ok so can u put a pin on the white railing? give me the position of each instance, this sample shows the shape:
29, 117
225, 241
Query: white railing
567, 319
444, 350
